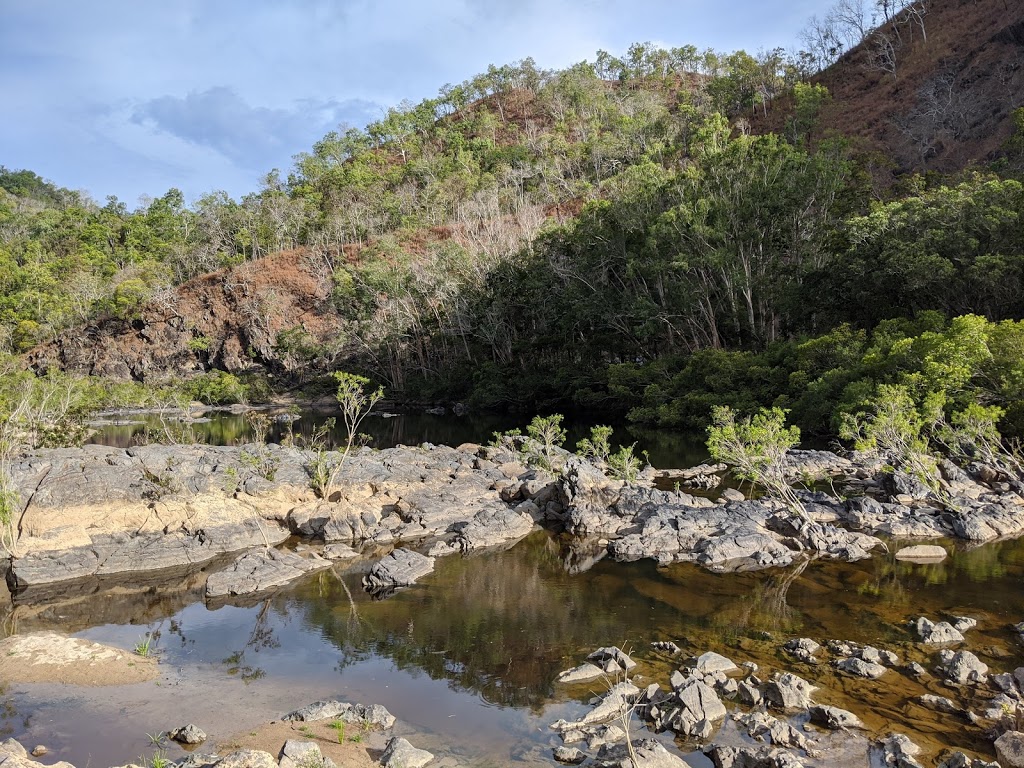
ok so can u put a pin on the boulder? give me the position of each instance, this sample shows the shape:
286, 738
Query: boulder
374, 714
962, 667
302, 754
711, 662
247, 758
1010, 749
940, 633
612, 659
399, 753
187, 734
899, 751
580, 674
400, 568
921, 553
788, 691
860, 668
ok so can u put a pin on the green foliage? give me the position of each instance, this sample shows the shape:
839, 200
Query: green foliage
624, 465
545, 435
200, 344
597, 447
217, 388
755, 448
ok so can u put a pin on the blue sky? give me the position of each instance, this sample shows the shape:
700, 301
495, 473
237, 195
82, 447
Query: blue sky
132, 97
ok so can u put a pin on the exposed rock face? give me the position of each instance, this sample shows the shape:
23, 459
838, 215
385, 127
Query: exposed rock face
98, 510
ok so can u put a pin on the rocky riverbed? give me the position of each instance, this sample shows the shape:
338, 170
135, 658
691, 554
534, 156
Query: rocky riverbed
98, 511
109, 519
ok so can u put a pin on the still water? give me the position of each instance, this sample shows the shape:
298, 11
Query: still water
665, 448
466, 659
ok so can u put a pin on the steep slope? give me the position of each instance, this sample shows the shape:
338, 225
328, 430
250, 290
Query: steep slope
232, 320
948, 102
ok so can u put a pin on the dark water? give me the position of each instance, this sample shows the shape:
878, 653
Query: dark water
665, 448
466, 659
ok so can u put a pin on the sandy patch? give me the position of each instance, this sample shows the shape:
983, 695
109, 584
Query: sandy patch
48, 657
353, 752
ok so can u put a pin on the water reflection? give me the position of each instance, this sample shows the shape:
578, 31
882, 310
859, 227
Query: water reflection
494, 630
664, 448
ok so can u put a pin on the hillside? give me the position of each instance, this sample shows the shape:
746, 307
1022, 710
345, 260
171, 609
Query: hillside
623, 234
936, 94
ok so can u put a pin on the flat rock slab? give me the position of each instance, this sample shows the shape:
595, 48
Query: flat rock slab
260, 570
922, 553
48, 657
399, 569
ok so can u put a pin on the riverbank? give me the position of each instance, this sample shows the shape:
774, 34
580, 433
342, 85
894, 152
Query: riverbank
436, 501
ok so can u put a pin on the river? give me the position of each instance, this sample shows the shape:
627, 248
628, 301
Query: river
466, 659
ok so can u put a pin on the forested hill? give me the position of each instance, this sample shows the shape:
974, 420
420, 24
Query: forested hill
622, 234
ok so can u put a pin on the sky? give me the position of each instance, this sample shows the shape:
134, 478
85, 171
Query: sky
133, 97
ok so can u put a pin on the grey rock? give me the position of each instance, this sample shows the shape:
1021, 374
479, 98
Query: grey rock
301, 754
187, 734
1010, 749
764, 727
788, 691
569, 755
247, 758
921, 553
802, 648
916, 670
964, 623
834, 718
399, 753
665, 645
899, 751
751, 757
939, 704
960, 760
580, 674
373, 714
619, 660
860, 668
712, 662
962, 667
748, 693
261, 570
649, 754
400, 568
198, 760
940, 633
